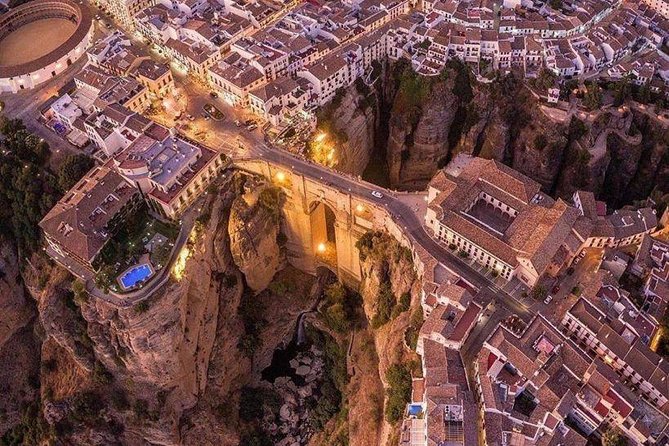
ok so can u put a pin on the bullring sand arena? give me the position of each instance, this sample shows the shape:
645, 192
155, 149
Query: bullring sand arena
34, 40
40, 39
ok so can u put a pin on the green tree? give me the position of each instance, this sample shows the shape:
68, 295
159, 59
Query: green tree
622, 90
385, 302
545, 80
593, 96
539, 292
104, 278
79, 291
72, 169
614, 437
644, 94
28, 190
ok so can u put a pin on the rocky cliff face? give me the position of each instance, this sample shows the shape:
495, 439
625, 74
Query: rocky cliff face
164, 345
254, 229
349, 127
422, 123
19, 345
384, 261
423, 111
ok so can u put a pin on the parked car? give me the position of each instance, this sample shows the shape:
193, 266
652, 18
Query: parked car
570, 270
377, 194
555, 289
213, 94
548, 299
251, 127
238, 123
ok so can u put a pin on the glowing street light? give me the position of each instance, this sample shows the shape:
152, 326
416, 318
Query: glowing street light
280, 177
320, 137
359, 208
321, 247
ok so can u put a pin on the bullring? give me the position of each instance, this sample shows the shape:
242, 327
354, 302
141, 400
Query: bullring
40, 39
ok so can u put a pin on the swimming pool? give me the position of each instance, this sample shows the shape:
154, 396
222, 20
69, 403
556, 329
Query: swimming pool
136, 274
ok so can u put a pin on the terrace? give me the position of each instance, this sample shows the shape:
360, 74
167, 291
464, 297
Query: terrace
140, 248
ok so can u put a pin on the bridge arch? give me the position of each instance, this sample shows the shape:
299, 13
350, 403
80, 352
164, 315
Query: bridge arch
323, 219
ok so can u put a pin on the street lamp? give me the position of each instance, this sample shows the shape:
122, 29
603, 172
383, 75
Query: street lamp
321, 247
280, 177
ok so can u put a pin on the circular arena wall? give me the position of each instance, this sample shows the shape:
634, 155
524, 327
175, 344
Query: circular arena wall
40, 39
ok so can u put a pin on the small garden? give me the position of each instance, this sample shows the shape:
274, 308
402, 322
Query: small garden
140, 235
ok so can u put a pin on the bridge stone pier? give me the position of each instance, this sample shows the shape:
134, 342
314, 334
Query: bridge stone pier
321, 221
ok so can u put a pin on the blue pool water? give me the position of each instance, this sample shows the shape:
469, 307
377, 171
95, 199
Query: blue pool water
415, 409
135, 275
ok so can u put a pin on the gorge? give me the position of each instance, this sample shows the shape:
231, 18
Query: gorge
411, 125
185, 366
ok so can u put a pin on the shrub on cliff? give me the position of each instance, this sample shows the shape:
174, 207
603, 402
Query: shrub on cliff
101, 375
398, 392
30, 430
254, 400
334, 382
412, 331
271, 199
250, 310
385, 303
375, 244
339, 308
592, 99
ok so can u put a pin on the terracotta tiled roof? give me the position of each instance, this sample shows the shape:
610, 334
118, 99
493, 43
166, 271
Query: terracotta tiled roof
78, 222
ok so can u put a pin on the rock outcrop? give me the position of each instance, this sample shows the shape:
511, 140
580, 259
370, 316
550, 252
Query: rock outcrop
349, 125
423, 111
163, 344
254, 229
384, 261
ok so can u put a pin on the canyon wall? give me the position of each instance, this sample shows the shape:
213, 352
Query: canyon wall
19, 344
351, 122
254, 229
621, 155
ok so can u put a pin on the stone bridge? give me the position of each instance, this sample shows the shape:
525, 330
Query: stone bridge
323, 220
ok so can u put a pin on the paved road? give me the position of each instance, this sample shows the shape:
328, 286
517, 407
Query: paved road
404, 216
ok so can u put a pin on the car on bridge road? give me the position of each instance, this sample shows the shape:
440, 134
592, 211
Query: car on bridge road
377, 194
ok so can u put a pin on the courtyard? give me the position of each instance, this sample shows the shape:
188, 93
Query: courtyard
140, 248
490, 216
